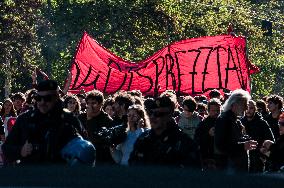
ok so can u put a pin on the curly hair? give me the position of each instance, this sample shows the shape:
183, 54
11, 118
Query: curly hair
78, 105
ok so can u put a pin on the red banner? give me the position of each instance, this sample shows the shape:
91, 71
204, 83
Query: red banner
191, 66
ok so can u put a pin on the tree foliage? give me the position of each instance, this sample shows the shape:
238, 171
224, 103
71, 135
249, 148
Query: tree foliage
46, 33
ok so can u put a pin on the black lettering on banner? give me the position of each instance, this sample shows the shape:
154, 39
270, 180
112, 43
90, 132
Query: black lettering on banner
178, 71
239, 63
85, 79
220, 83
173, 68
119, 68
130, 81
150, 80
169, 71
205, 66
77, 75
107, 79
193, 73
234, 68
158, 73
96, 80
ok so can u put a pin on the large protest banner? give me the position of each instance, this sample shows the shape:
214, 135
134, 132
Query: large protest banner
191, 66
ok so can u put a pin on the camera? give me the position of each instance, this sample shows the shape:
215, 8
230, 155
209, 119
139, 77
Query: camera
110, 136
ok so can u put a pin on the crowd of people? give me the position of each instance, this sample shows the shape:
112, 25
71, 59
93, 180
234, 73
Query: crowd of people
231, 133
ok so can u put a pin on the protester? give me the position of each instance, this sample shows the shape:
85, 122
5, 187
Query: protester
275, 104
138, 122
81, 96
8, 109
257, 129
189, 118
19, 100
204, 134
95, 121
108, 103
39, 135
122, 100
275, 150
202, 109
172, 95
262, 108
46, 133
231, 143
164, 143
72, 103
149, 105
215, 94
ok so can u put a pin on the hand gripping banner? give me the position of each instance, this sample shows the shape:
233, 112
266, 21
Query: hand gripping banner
191, 66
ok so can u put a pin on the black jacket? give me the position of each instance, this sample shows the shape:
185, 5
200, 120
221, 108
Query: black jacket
258, 130
173, 147
94, 129
229, 142
276, 158
203, 139
273, 123
48, 133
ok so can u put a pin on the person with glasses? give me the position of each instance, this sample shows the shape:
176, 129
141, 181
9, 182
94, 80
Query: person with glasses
39, 135
138, 122
164, 143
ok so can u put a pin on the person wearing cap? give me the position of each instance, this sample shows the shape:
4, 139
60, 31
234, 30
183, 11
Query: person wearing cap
39, 135
164, 143
274, 151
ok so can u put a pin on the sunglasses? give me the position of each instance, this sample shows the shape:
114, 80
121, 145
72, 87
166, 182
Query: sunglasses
45, 98
158, 114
